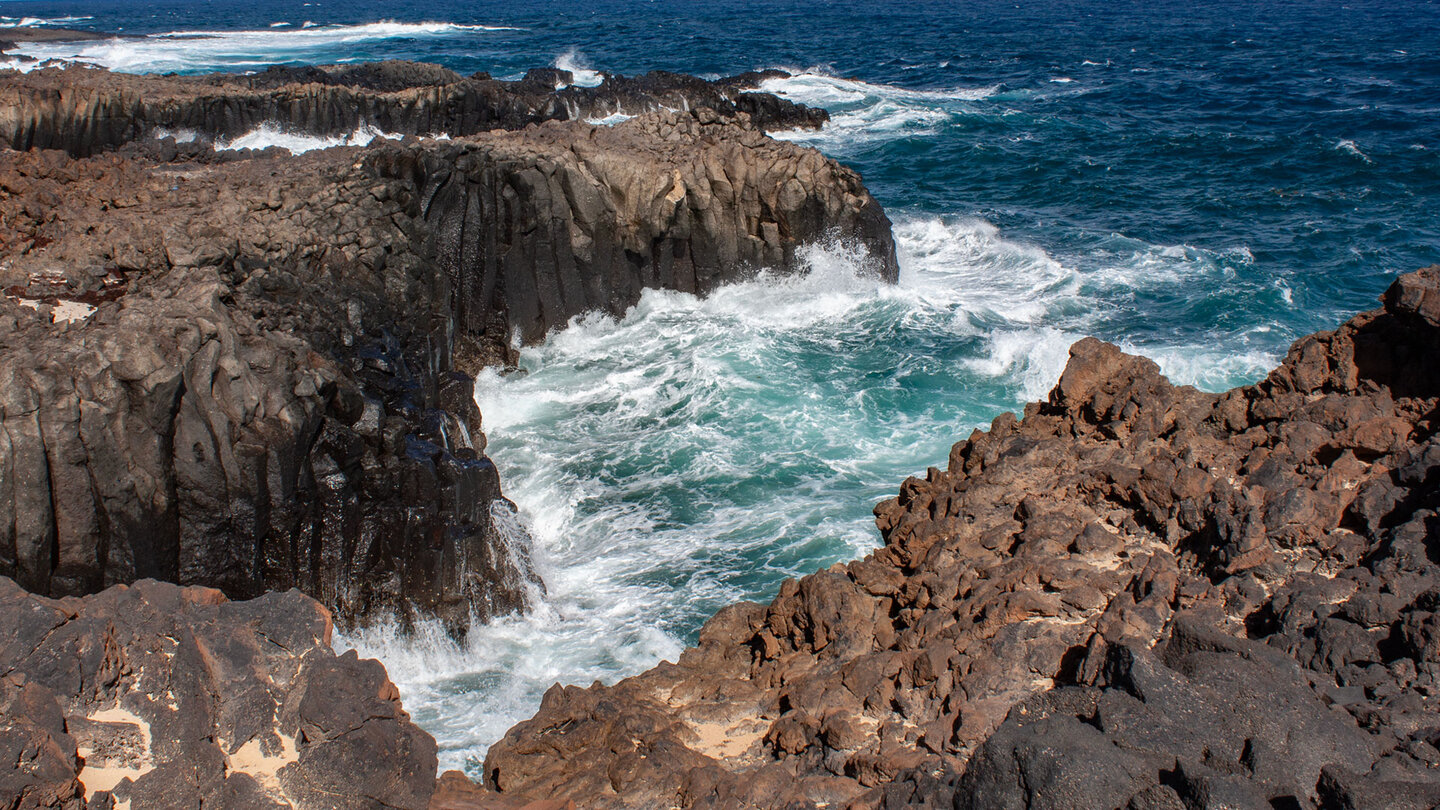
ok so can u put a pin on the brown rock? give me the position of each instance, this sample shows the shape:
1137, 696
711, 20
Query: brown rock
1241, 562
161, 696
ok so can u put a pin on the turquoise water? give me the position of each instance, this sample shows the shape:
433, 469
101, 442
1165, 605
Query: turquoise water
1201, 183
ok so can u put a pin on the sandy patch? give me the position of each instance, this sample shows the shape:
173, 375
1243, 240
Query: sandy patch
121, 751
727, 740
252, 759
63, 312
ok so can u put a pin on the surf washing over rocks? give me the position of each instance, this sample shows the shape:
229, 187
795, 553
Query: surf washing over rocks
1044, 187
697, 452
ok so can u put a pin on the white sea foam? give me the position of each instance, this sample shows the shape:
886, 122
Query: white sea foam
697, 451
40, 22
1207, 367
1352, 148
230, 50
181, 135
610, 120
268, 135
862, 112
581, 74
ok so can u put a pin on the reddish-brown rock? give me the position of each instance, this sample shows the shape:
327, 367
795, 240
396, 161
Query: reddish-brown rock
157, 696
1138, 595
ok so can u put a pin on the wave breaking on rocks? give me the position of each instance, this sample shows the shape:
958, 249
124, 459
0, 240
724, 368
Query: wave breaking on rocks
1138, 595
275, 389
254, 372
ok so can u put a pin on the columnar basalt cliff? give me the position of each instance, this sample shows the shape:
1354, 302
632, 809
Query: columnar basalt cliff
1137, 596
84, 111
276, 388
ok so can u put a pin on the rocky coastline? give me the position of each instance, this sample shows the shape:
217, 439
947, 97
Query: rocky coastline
276, 389
250, 375
1138, 595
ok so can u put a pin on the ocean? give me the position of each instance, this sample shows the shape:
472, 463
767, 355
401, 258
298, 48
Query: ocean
1201, 183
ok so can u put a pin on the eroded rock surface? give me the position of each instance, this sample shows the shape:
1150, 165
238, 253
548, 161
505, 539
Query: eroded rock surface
84, 111
275, 389
1137, 596
158, 696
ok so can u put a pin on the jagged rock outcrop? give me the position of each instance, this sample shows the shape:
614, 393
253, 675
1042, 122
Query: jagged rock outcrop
276, 388
157, 696
84, 111
1137, 596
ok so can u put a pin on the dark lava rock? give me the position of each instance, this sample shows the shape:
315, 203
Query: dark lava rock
157, 696
84, 111
1137, 596
276, 390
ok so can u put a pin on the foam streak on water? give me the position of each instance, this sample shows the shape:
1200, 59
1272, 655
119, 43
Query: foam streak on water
198, 51
696, 452
861, 112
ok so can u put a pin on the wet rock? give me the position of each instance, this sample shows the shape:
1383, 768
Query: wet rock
84, 111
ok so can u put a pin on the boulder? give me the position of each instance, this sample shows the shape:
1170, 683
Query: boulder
158, 696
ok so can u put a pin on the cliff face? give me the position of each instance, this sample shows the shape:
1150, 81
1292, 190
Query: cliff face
277, 387
1138, 596
84, 111
156, 696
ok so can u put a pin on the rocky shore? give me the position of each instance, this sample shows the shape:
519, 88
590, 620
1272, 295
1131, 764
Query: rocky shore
276, 387
251, 375
85, 111
1137, 596
158, 696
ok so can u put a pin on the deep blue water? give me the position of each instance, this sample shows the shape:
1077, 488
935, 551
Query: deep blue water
1200, 182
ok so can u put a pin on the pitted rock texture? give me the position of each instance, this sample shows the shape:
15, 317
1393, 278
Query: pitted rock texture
84, 111
276, 389
1137, 596
157, 696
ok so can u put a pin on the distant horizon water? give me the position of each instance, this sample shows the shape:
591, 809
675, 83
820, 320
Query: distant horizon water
1198, 183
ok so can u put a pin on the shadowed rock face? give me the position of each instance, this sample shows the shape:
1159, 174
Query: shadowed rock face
156, 696
1138, 596
84, 111
277, 387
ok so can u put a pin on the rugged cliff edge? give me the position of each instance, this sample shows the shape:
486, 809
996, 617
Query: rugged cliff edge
84, 111
276, 388
1137, 596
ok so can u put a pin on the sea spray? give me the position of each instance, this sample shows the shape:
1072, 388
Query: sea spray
698, 451
198, 51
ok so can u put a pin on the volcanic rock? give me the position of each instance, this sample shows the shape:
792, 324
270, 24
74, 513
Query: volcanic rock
157, 696
1137, 596
275, 388
84, 110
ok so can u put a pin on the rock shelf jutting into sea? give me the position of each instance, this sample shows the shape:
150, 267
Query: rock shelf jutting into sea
536, 367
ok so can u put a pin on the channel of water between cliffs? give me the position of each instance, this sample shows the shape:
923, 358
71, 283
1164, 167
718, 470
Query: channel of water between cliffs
699, 451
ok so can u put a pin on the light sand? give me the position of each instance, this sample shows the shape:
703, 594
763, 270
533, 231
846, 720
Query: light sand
251, 759
104, 773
